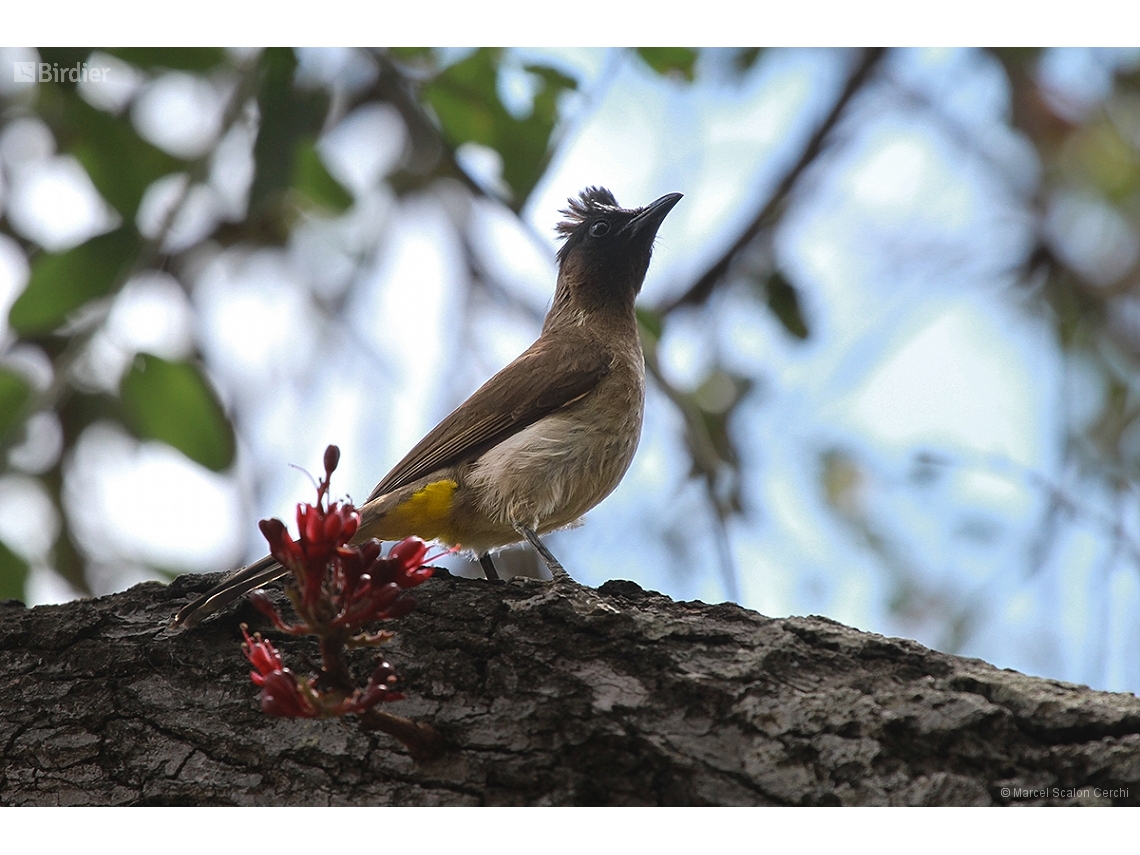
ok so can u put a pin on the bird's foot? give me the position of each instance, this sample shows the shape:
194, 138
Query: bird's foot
558, 573
489, 567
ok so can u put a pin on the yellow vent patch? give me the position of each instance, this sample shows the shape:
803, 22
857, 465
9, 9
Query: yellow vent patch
425, 514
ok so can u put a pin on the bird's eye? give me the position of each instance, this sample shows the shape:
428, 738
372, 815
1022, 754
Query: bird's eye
600, 229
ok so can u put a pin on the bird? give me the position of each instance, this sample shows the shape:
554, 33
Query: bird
546, 438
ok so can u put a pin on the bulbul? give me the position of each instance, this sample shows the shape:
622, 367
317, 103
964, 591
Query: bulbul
545, 439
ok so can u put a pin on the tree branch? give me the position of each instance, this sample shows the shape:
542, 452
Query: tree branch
547, 694
699, 291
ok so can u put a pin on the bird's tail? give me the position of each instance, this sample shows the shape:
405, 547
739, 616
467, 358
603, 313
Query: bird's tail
237, 584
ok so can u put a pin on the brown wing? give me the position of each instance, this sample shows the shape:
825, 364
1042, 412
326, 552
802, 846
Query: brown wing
546, 377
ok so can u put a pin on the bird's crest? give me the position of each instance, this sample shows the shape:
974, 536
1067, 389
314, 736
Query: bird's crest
592, 200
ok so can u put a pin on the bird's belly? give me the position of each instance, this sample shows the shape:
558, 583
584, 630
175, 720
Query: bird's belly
549, 474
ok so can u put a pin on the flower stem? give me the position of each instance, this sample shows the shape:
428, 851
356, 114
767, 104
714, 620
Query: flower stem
423, 741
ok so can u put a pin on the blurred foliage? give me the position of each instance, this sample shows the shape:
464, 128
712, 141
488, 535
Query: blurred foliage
183, 59
784, 301
13, 573
312, 180
173, 402
14, 394
745, 58
1091, 283
119, 162
465, 98
284, 154
670, 60
450, 101
69, 294
62, 283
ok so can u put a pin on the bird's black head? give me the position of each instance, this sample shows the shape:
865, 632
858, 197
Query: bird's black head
605, 257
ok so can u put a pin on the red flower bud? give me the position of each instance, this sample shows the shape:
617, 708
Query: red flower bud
332, 524
261, 654
370, 551
368, 603
332, 458
313, 582
351, 524
415, 577
383, 595
363, 587
338, 590
384, 570
410, 552
383, 673
281, 545
260, 601
312, 525
351, 568
281, 696
378, 690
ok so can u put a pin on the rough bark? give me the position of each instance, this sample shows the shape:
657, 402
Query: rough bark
547, 695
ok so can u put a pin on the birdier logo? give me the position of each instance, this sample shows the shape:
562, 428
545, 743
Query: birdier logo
51, 72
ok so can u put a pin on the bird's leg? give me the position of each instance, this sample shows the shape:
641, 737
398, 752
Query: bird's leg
557, 571
488, 567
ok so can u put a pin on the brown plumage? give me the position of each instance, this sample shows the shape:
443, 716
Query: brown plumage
546, 438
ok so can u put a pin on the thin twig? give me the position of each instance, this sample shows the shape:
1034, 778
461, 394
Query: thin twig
700, 290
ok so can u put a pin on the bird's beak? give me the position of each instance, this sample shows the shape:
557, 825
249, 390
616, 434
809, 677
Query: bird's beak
649, 220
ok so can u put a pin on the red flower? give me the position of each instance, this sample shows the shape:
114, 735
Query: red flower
281, 695
338, 590
261, 654
378, 689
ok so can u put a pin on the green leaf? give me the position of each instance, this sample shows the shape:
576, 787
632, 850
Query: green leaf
62, 282
311, 178
785, 305
288, 115
465, 99
180, 58
670, 60
746, 58
13, 574
121, 164
174, 403
14, 392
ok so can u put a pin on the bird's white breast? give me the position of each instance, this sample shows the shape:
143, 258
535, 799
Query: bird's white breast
549, 474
